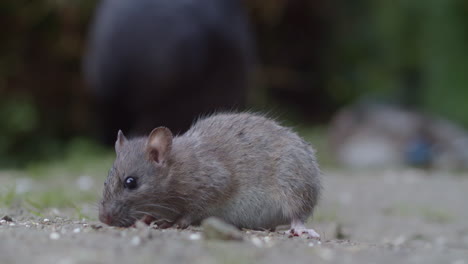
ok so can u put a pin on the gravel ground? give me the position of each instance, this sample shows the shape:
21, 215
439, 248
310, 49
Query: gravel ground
390, 216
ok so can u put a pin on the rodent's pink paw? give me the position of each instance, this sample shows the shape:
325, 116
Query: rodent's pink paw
303, 231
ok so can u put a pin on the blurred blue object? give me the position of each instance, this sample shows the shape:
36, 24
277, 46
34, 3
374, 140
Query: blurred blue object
379, 135
419, 152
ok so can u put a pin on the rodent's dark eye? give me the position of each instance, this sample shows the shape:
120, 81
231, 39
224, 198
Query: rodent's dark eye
130, 183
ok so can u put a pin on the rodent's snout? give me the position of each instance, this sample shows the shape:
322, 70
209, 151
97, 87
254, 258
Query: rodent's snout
114, 214
105, 216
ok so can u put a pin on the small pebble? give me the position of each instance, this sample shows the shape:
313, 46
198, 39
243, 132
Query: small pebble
135, 241
140, 225
12, 224
310, 244
195, 236
76, 230
257, 242
54, 236
46, 220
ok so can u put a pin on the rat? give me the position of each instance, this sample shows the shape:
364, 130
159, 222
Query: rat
243, 168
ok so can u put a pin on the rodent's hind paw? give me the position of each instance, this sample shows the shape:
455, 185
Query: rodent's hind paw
303, 231
298, 229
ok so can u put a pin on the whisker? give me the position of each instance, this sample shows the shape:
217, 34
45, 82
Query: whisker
157, 206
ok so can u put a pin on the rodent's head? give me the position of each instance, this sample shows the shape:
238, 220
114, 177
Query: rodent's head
137, 185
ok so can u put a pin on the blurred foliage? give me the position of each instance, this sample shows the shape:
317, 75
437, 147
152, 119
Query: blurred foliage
42, 100
413, 52
316, 55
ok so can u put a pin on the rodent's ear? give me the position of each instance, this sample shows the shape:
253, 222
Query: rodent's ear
121, 140
159, 144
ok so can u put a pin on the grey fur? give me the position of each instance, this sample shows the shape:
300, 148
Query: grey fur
243, 168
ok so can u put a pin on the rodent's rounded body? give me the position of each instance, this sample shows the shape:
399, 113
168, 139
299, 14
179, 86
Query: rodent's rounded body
243, 168
269, 173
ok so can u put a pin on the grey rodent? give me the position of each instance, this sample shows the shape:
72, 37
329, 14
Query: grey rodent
243, 168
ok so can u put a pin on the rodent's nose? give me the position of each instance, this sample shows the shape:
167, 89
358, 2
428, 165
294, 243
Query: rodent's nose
105, 217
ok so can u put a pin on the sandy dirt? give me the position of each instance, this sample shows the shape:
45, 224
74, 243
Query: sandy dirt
394, 216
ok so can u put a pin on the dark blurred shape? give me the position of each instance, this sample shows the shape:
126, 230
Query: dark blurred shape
378, 135
156, 63
294, 38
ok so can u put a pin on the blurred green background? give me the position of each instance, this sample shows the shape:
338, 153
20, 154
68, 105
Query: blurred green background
316, 56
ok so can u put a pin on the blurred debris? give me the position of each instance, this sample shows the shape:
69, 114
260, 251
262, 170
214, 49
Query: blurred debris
377, 135
7, 218
216, 229
340, 233
96, 227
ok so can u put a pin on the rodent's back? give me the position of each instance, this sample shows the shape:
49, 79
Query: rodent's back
245, 136
243, 127
272, 166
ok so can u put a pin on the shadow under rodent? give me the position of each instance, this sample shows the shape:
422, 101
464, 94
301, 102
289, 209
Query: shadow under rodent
243, 168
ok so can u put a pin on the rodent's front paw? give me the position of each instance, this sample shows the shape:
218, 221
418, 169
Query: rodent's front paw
164, 224
148, 219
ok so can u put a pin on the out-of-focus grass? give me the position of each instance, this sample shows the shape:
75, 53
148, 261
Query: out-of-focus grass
82, 157
59, 183
323, 215
317, 136
7, 196
435, 215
